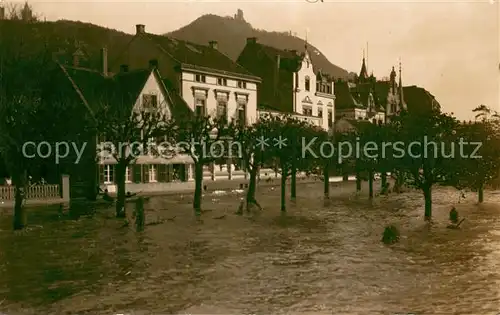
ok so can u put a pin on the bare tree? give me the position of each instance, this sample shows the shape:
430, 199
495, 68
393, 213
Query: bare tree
128, 133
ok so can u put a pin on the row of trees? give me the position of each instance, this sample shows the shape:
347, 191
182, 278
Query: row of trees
473, 165
31, 116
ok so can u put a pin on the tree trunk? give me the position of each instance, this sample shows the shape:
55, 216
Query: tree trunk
345, 173
326, 180
345, 177
398, 182
480, 193
370, 184
20, 219
284, 172
252, 186
120, 193
383, 178
293, 183
198, 181
428, 202
358, 181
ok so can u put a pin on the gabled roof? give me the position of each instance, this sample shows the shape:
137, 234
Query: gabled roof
344, 98
124, 88
180, 54
357, 97
276, 89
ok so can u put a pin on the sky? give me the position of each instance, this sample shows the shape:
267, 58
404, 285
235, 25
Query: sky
451, 48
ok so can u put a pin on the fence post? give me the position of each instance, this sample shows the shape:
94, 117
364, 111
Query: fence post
65, 188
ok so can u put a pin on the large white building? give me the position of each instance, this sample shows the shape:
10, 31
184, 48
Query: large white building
181, 77
207, 80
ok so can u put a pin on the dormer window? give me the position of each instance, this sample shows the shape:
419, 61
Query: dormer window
308, 83
149, 101
200, 78
222, 81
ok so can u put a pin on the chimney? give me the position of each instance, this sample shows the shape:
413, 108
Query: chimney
140, 29
252, 40
123, 68
213, 44
153, 63
104, 61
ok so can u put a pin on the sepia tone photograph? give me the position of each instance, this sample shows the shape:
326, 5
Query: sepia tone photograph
249, 157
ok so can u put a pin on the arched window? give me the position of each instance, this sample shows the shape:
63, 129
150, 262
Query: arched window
308, 83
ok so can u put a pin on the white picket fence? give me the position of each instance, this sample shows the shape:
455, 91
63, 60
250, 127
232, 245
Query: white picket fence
33, 192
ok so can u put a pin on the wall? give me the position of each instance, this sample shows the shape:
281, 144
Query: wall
209, 87
359, 114
312, 98
153, 86
316, 121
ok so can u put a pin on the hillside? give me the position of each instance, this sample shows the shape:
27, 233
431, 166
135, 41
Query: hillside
231, 34
61, 38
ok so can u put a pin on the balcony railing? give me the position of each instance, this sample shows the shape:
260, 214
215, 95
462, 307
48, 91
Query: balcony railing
33, 192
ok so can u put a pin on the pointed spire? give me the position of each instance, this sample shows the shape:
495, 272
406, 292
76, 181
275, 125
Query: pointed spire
305, 46
367, 56
402, 104
363, 74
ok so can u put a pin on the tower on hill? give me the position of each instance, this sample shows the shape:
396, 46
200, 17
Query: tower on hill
239, 15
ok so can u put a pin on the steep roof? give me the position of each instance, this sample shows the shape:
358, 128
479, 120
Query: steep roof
178, 54
122, 88
276, 88
357, 97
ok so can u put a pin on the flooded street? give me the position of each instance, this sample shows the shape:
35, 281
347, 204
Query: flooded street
319, 259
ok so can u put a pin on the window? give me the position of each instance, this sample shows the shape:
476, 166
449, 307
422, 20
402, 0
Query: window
128, 175
149, 101
242, 84
222, 109
108, 174
200, 107
307, 111
152, 173
320, 112
308, 83
200, 78
318, 87
242, 114
221, 81
330, 118
329, 89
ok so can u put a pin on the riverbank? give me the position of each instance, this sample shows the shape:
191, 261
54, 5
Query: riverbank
321, 258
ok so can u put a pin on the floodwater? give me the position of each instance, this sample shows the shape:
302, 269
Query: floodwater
319, 259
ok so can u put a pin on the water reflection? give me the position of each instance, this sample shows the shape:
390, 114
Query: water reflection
321, 258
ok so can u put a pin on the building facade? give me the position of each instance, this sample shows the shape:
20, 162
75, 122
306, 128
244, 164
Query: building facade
366, 98
290, 83
195, 78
